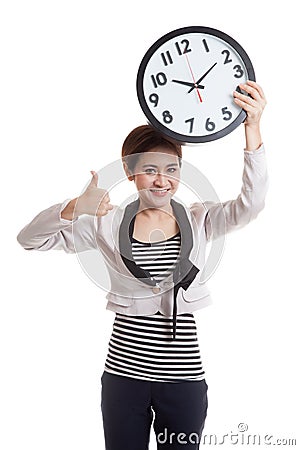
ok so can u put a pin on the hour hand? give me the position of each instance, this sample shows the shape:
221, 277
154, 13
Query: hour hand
186, 83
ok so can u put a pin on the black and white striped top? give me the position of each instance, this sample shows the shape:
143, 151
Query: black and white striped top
142, 346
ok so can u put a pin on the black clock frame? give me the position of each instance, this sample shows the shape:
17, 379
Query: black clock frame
140, 77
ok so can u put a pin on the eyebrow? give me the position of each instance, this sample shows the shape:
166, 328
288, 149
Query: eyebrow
153, 165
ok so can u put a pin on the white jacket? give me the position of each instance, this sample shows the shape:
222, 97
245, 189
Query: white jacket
132, 290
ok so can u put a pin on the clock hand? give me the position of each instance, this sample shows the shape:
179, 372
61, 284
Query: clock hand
186, 83
195, 84
203, 76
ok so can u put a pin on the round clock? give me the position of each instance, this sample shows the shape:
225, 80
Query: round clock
186, 80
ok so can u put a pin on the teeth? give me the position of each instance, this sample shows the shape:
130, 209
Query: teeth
159, 190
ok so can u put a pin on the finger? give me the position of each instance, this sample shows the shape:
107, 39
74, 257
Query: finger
103, 210
94, 180
105, 201
252, 91
245, 105
105, 198
244, 98
258, 87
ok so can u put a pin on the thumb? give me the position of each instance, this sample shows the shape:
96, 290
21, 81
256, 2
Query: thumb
94, 180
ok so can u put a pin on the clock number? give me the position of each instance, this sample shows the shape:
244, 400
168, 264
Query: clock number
209, 125
159, 79
191, 123
239, 71
185, 43
227, 115
167, 58
227, 59
167, 117
153, 98
205, 45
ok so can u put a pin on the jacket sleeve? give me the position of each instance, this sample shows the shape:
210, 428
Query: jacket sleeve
231, 215
49, 231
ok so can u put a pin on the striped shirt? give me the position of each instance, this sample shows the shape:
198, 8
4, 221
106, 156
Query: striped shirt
142, 346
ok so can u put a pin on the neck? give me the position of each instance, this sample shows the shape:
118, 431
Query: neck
157, 213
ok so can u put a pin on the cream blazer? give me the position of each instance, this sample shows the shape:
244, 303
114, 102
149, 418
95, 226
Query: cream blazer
132, 289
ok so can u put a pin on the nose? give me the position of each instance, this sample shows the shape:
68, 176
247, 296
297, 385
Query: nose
161, 180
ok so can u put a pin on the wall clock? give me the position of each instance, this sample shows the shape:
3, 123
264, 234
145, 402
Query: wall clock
185, 84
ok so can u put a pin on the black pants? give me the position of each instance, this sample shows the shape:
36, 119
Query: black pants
128, 404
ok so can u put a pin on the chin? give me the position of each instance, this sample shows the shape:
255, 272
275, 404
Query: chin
155, 201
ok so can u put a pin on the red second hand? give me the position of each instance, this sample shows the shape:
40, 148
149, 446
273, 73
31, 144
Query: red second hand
194, 80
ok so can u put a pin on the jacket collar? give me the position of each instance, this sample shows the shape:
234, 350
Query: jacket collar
183, 266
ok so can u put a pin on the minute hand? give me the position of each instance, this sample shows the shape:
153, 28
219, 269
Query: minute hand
203, 76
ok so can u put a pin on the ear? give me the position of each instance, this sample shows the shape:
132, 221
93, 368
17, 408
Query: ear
128, 173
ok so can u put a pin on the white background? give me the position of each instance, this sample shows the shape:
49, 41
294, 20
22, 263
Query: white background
68, 100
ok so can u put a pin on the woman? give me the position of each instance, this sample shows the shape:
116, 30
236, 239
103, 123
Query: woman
154, 251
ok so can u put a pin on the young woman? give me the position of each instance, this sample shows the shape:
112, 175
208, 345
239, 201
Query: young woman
154, 250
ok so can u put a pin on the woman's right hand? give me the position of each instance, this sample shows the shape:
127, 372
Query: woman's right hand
94, 201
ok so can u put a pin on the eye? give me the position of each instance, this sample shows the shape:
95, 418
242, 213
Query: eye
152, 171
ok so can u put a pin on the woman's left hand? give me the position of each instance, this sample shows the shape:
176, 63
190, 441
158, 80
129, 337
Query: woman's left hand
253, 104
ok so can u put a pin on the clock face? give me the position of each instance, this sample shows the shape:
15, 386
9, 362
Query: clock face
186, 80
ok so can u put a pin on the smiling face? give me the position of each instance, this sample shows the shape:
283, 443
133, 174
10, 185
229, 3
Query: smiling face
156, 175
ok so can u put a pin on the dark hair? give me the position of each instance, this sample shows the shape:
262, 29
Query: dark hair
143, 139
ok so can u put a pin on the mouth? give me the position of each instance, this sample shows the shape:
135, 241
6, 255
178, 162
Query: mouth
159, 192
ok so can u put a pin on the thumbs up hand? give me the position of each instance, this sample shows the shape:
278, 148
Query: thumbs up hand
94, 201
